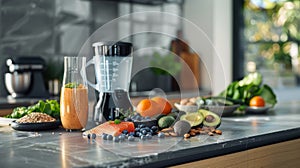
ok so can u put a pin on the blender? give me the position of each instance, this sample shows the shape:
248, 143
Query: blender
113, 63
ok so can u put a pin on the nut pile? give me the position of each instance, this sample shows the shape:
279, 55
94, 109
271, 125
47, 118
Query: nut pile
36, 117
211, 131
189, 101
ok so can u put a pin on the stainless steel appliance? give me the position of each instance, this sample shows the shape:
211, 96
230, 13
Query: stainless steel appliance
25, 78
113, 64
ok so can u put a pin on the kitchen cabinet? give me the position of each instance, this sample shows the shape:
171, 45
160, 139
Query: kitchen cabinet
284, 154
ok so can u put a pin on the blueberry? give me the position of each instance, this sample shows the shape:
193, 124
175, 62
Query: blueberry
128, 119
154, 128
150, 133
125, 132
161, 135
131, 138
144, 132
122, 137
143, 137
137, 129
148, 136
116, 139
131, 134
104, 136
139, 118
147, 118
89, 136
109, 137
137, 134
147, 129
94, 136
141, 125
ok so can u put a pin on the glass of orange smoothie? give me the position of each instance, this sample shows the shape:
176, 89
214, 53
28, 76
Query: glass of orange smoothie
74, 94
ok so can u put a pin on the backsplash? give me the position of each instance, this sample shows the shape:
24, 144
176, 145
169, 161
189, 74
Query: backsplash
57, 28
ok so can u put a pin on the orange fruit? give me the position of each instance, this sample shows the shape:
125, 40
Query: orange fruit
147, 107
257, 101
164, 104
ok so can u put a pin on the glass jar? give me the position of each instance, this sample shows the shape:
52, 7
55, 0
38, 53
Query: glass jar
74, 94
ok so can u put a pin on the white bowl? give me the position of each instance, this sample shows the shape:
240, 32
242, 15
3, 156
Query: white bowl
186, 108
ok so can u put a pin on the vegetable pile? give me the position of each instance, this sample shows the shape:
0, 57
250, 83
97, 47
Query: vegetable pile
251, 85
50, 107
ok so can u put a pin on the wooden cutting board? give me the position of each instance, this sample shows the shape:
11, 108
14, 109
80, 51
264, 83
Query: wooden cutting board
190, 73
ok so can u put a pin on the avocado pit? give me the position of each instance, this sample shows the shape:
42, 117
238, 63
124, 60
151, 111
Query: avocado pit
209, 118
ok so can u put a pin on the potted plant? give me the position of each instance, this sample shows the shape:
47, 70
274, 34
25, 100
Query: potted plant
165, 66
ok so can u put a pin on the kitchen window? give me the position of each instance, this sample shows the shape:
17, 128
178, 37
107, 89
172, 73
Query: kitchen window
267, 39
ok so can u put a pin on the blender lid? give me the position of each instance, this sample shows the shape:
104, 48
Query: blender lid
110, 48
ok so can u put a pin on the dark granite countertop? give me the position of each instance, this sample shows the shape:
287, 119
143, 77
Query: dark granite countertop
69, 149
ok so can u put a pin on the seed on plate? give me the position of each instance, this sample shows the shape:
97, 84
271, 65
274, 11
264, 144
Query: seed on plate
173, 134
167, 129
193, 130
202, 132
219, 132
186, 135
211, 134
192, 133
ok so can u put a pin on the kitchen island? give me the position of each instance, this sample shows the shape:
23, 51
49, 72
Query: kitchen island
279, 130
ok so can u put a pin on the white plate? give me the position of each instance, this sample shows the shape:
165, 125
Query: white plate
6, 121
257, 110
186, 108
223, 110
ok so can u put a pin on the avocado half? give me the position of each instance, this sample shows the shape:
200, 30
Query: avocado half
194, 119
211, 119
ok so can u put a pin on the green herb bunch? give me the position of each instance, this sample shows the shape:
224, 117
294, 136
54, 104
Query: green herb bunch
50, 107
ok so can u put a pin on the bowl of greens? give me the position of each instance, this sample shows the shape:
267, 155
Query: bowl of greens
50, 107
241, 91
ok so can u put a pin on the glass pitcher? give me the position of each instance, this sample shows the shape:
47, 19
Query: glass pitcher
113, 64
74, 94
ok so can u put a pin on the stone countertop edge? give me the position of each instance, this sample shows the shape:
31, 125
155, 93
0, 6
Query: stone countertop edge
223, 148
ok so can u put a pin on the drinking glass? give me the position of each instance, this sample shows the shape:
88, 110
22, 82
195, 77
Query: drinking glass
74, 94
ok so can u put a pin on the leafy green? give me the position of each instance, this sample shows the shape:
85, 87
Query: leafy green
252, 78
71, 85
268, 94
251, 85
165, 64
50, 107
117, 121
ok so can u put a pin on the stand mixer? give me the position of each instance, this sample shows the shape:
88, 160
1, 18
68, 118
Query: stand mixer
25, 78
113, 64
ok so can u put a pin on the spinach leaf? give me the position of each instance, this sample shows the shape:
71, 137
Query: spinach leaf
268, 95
251, 85
50, 107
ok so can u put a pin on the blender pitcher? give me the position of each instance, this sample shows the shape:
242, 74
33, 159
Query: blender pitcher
113, 64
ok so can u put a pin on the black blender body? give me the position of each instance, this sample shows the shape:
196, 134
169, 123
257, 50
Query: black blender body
114, 77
